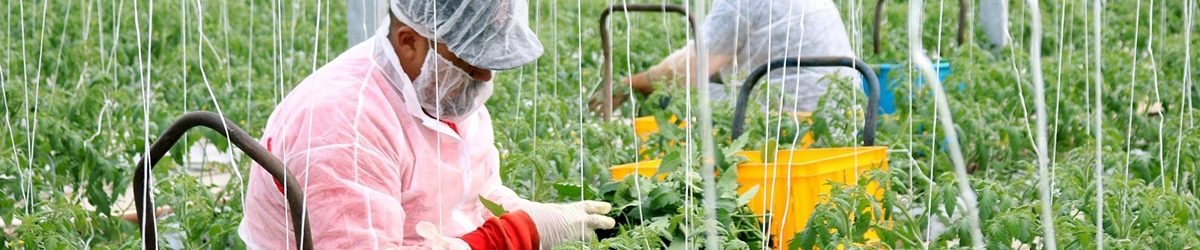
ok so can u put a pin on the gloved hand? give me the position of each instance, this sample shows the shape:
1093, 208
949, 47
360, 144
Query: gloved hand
558, 223
436, 240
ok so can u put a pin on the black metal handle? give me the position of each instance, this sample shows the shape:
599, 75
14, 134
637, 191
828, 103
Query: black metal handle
868, 132
240, 139
606, 43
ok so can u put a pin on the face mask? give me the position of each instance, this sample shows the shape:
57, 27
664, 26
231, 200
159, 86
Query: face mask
447, 92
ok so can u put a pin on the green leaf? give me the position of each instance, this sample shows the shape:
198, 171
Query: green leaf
571, 190
492, 206
670, 163
744, 199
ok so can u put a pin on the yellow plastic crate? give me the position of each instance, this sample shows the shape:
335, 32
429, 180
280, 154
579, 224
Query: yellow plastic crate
646, 125
810, 170
644, 168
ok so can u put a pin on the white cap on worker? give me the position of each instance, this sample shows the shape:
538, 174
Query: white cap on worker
489, 34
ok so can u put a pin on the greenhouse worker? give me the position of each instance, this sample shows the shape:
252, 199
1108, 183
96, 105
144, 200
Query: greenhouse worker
393, 147
741, 35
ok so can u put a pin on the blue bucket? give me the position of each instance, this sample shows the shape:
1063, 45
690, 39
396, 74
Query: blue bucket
887, 99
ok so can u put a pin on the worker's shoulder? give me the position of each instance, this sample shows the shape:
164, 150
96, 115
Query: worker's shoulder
348, 79
336, 94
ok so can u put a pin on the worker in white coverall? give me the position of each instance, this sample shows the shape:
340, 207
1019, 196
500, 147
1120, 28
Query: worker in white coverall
741, 35
393, 147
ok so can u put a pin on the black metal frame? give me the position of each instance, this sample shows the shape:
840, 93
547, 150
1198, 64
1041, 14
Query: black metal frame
239, 138
606, 41
868, 132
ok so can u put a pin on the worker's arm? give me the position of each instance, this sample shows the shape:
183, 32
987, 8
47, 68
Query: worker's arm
725, 32
552, 224
675, 67
514, 230
347, 212
722, 39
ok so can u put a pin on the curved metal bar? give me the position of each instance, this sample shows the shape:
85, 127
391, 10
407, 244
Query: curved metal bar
962, 25
868, 132
606, 41
239, 139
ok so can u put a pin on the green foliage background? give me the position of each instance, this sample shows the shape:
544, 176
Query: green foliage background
85, 82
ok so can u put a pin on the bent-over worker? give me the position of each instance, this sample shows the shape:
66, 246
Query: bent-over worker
741, 35
393, 147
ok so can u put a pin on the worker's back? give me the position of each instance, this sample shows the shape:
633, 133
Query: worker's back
757, 31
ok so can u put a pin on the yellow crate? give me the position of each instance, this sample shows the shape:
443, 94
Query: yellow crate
644, 168
810, 170
646, 125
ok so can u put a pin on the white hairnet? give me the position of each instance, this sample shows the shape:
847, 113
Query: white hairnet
490, 34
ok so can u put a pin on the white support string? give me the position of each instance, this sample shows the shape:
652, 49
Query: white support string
1189, 14
700, 8
917, 55
145, 84
216, 104
582, 103
768, 219
1133, 69
1185, 93
1132, 96
688, 148
1064, 5
770, 224
26, 176
308, 143
779, 125
37, 98
1097, 7
688, 197
1012, 60
934, 139
277, 46
1157, 100
637, 164
31, 127
536, 82
1039, 89
5, 74
438, 107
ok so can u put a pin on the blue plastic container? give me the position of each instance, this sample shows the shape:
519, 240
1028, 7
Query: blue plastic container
887, 100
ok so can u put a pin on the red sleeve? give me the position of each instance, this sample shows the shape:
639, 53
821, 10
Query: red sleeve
511, 231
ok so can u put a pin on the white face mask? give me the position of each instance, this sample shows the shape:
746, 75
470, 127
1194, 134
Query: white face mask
447, 92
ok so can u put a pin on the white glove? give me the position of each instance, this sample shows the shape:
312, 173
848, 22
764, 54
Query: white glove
438, 241
558, 223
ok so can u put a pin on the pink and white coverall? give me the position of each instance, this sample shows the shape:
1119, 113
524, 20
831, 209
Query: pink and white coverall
372, 164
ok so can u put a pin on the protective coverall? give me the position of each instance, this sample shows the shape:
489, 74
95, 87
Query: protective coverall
372, 163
